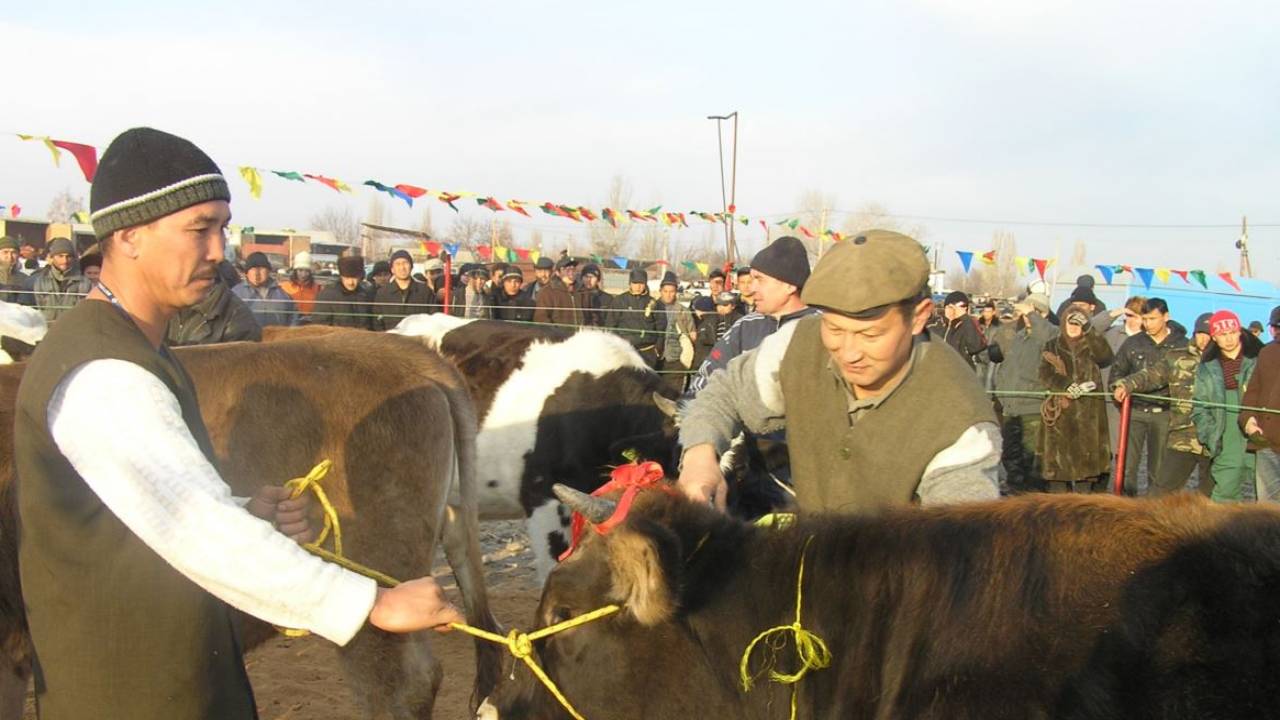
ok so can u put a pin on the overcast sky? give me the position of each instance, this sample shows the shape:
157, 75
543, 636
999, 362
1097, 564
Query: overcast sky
1154, 113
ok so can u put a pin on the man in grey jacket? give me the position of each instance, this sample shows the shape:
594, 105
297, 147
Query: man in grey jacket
1022, 338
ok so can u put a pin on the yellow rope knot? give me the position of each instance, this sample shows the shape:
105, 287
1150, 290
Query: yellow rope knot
519, 644
812, 650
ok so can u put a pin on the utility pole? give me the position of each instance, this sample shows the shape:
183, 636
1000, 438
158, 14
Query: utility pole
728, 200
1246, 269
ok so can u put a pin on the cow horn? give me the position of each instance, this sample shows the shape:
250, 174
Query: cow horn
666, 405
595, 510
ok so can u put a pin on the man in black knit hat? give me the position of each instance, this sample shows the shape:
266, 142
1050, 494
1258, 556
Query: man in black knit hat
132, 546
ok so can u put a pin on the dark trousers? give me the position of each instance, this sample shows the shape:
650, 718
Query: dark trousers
1175, 471
673, 375
1149, 432
1021, 435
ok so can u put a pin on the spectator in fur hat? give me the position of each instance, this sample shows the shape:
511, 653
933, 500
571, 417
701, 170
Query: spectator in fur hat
346, 302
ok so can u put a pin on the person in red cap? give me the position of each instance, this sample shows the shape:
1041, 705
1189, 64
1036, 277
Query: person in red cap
1221, 380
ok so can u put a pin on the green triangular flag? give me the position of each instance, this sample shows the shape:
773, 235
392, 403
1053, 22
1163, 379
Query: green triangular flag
654, 209
1199, 276
289, 175
793, 223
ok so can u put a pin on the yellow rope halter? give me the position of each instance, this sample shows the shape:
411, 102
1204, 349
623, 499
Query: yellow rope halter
519, 644
811, 649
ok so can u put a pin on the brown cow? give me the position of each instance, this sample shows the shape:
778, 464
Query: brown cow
1035, 607
399, 426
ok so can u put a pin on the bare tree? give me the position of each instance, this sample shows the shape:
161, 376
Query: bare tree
1079, 255
64, 206
873, 215
339, 220
607, 240
814, 208
535, 240
468, 231
424, 225
652, 241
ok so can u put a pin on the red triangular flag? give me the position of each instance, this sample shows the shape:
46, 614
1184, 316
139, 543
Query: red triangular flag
1040, 266
1182, 274
15, 210
523, 254
86, 156
485, 252
805, 231
432, 247
412, 191
494, 205
1226, 277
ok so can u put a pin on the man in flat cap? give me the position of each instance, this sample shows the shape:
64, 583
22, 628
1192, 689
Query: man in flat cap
561, 301
132, 547
542, 270
874, 417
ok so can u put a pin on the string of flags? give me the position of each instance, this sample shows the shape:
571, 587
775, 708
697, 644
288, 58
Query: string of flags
87, 158
14, 210
1108, 272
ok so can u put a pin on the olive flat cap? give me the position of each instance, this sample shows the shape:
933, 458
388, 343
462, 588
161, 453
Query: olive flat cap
871, 269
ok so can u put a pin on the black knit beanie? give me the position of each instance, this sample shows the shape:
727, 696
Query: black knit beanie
147, 174
257, 260
785, 259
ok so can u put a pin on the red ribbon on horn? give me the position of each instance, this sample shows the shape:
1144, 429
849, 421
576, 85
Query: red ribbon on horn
630, 479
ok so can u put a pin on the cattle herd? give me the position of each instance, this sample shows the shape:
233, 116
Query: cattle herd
1035, 607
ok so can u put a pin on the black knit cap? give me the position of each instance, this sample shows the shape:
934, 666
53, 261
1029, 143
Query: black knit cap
257, 260
785, 259
956, 297
351, 266
146, 174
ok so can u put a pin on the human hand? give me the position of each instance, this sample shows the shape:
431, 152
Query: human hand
1120, 393
413, 605
1074, 391
289, 516
700, 477
1251, 427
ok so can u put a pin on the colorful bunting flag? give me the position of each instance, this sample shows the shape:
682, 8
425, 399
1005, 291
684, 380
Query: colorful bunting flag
1106, 272
517, 206
433, 248
86, 157
80, 216
252, 177
334, 183
485, 252
1039, 265
1199, 276
805, 231
620, 261
523, 254
1163, 274
610, 216
688, 264
703, 268
535, 255
587, 214
412, 191
501, 253
1144, 274
290, 175
488, 202
989, 257
448, 198
1182, 274
393, 192
15, 210
1226, 277
453, 249
966, 258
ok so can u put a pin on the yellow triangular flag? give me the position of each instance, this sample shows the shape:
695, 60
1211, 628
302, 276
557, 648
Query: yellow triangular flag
534, 255
252, 177
1163, 274
703, 267
53, 149
342, 186
81, 216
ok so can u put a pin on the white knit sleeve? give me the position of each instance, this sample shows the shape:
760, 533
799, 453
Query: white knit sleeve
154, 477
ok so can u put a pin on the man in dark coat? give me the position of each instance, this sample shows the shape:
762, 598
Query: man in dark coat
1149, 419
514, 304
959, 329
58, 286
346, 302
13, 282
403, 296
219, 317
629, 319
561, 301
594, 299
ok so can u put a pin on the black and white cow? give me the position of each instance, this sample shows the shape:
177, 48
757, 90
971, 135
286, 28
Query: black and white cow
555, 406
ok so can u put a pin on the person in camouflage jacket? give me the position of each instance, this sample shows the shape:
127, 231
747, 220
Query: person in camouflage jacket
1178, 371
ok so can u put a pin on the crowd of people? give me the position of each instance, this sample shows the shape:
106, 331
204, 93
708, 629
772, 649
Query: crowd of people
1059, 378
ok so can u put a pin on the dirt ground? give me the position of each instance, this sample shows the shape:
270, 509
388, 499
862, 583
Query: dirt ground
298, 679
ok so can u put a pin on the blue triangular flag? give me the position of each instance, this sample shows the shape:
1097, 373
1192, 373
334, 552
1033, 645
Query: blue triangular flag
620, 261
965, 259
1107, 274
1145, 274
452, 248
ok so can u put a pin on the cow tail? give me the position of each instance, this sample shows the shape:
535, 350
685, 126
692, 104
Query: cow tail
488, 655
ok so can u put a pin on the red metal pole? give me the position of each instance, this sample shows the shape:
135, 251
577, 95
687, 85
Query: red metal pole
448, 278
1117, 482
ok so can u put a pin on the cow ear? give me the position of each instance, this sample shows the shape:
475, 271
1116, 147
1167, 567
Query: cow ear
645, 566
